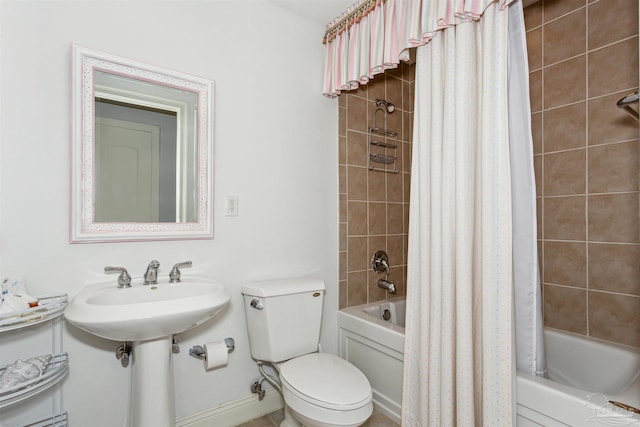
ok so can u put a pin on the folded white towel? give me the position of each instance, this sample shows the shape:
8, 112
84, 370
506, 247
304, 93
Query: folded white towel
24, 370
16, 285
12, 303
13, 295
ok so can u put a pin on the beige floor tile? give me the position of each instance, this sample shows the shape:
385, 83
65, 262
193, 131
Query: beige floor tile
377, 419
259, 422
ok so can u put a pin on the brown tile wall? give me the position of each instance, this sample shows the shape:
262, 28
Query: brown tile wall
374, 205
583, 57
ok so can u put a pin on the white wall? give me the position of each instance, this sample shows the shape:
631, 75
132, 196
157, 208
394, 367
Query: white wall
275, 149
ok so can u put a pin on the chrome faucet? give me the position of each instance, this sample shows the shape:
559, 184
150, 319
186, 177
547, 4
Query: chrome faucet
151, 275
174, 275
380, 264
124, 280
386, 284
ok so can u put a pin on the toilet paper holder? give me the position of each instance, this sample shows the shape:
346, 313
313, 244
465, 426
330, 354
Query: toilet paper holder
198, 352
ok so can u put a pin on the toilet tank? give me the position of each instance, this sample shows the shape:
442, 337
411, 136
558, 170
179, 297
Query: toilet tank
283, 317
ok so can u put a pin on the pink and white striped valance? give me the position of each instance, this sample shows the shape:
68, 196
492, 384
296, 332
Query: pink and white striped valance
375, 35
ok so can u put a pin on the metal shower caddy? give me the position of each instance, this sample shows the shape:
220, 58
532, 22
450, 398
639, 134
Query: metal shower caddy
383, 144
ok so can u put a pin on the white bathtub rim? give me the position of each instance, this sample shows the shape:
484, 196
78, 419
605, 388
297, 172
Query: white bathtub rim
611, 367
569, 404
595, 339
359, 311
356, 321
577, 406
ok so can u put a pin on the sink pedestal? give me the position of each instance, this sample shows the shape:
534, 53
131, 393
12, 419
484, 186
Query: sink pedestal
152, 399
148, 316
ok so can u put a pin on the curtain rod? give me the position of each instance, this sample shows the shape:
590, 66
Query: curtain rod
347, 20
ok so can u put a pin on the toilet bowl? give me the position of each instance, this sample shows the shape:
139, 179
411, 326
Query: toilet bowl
283, 324
323, 390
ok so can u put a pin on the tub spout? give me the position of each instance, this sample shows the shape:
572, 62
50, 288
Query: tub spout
389, 286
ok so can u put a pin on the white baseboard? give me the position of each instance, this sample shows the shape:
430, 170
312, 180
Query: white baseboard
239, 411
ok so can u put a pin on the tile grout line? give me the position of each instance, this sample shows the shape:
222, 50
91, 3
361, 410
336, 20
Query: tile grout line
586, 169
604, 144
386, 195
368, 141
542, 200
561, 16
587, 52
602, 291
346, 153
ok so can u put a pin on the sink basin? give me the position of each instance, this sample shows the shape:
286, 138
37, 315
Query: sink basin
145, 312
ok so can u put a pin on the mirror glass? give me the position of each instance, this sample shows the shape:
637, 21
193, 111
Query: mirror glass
141, 151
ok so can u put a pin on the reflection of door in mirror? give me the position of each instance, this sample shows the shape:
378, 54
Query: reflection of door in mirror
172, 111
127, 163
135, 163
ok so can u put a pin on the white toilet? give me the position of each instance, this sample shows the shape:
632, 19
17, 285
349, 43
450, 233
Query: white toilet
319, 389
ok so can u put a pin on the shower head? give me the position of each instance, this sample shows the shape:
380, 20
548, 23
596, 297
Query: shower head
387, 105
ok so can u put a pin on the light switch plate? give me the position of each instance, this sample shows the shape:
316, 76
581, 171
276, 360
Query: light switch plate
231, 206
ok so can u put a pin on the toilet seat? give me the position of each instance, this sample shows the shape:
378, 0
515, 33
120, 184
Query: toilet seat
326, 380
326, 389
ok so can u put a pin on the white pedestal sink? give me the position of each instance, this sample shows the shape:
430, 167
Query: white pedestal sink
148, 315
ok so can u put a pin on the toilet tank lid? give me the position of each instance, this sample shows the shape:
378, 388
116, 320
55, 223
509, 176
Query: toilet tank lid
271, 288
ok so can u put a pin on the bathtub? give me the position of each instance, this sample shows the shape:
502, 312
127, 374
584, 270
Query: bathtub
584, 374
376, 346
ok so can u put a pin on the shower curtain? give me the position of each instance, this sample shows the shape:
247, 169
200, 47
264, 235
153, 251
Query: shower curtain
526, 272
471, 104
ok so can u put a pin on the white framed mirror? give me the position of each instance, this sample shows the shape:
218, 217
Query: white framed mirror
142, 151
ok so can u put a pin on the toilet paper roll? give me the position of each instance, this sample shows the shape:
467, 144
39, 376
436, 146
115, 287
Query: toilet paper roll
216, 355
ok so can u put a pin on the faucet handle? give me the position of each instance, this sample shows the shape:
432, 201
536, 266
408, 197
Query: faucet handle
124, 280
174, 275
380, 262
